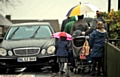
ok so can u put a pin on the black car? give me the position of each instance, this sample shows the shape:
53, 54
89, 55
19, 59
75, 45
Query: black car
28, 44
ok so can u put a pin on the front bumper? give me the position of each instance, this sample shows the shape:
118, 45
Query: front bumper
41, 61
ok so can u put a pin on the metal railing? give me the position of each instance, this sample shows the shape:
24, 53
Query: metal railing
112, 59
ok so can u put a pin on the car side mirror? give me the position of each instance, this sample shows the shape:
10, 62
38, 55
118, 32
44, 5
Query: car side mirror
1, 39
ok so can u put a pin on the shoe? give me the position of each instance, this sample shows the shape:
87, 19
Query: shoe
71, 69
62, 72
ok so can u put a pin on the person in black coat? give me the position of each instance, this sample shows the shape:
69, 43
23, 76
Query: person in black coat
64, 22
80, 24
95, 21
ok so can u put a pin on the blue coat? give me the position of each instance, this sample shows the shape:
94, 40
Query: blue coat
96, 43
62, 48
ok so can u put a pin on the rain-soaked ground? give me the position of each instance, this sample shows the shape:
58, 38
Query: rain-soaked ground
45, 72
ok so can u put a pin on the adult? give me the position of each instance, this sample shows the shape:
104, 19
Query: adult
100, 17
64, 22
69, 24
68, 30
80, 24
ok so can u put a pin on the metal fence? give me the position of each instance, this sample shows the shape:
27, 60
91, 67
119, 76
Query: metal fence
111, 60
115, 42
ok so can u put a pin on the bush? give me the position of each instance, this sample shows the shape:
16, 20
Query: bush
113, 18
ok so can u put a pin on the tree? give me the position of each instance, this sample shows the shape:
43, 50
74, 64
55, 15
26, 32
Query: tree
113, 18
8, 4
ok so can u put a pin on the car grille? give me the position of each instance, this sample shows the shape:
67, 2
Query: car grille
26, 51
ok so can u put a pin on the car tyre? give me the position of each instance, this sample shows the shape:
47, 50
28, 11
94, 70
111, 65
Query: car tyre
3, 70
34, 68
11, 71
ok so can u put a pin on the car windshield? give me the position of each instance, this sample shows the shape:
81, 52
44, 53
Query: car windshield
26, 32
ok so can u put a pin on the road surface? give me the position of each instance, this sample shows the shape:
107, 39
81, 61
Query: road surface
34, 72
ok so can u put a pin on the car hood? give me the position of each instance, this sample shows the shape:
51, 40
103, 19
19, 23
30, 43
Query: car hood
10, 44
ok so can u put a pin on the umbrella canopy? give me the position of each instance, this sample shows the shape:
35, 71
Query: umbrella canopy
58, 34
88, 19
81, 9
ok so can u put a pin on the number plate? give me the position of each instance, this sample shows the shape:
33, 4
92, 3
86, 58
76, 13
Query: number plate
26, 59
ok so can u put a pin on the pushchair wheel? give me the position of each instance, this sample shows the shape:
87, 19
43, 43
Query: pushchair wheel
82, 70
76, 70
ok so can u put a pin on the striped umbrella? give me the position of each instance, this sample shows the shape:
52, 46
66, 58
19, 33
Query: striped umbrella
81, 9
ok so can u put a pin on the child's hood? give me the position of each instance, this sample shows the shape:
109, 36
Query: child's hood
101, 33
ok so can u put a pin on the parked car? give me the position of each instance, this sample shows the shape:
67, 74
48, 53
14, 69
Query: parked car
28, 44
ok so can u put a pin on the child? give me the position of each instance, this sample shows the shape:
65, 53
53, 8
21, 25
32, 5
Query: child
96, 43
62, 52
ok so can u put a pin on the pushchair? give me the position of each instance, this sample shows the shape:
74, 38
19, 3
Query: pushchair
81, 65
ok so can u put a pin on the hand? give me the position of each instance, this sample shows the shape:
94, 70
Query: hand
83, 33
90, 50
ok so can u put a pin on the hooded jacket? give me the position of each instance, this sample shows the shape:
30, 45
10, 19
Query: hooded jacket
70, 24
62, 48
64, 22
96, 42
81, 24
93, 27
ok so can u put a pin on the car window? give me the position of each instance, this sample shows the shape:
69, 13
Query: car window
26, 32
43, 32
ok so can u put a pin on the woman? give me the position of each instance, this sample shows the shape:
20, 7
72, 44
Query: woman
96, 42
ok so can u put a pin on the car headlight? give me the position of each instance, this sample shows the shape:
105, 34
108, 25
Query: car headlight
43, 51
51, 50
3, 52
10, 53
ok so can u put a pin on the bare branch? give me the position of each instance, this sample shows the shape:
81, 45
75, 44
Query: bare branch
10, 3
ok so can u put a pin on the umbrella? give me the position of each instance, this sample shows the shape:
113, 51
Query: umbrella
58, 34
88, 19
81, 9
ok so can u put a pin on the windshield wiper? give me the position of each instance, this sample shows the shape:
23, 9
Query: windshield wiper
13, 33
35, 32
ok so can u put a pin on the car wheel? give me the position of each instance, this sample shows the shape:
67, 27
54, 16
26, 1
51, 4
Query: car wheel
55, 67
3, 70
11, 71
33, 68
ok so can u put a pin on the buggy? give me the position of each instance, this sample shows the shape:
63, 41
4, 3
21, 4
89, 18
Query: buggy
81, 64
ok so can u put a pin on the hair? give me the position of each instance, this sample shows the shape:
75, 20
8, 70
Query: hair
80, 16
100, 25
63, 38
99, 14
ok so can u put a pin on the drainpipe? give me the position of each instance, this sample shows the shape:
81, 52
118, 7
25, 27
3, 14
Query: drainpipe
118, 4
109, 5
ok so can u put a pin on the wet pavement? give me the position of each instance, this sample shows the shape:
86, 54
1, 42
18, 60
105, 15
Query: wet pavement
45, 72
